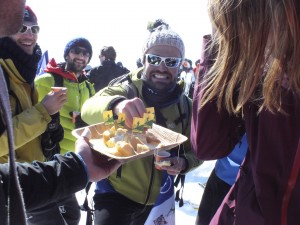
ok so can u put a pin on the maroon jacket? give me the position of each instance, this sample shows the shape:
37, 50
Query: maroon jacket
267, 191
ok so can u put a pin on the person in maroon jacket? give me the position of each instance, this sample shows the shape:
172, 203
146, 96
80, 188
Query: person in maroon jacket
253, 83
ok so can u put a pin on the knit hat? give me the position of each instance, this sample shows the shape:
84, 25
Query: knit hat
78, 42
29, 15
162, 35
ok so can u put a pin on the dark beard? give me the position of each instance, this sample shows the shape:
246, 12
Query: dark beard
167, 87
70, 66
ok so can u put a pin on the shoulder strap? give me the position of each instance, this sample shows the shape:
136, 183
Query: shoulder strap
127, 83
16, 208
58, 80
85, 206
18, 108
89, 88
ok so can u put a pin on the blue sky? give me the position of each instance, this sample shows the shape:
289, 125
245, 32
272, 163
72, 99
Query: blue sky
119, 23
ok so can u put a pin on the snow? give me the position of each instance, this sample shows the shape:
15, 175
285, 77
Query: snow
185, 215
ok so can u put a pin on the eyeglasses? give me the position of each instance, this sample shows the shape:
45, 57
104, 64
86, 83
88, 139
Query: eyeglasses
78, 51
35, 29
156, 60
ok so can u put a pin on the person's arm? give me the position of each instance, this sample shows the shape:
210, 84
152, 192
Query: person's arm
213, 133
27, 126
92, 111
42, 182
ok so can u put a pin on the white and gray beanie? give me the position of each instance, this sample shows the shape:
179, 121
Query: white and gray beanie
164, 36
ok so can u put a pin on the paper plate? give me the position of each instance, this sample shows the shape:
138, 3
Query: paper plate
168, 139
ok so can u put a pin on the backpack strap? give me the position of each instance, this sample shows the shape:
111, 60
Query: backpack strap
85, 206
18, 108
59, 82
128, 85
16, 208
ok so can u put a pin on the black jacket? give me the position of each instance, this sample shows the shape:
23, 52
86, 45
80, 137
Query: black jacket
100, 76
42, 182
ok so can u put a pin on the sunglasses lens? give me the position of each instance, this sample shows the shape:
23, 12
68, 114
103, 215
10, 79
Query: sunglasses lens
23, 29
172, 62
35, 29
79, 51
153, 60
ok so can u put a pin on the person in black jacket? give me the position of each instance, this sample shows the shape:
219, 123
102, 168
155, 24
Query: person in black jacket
40, 181
100, 76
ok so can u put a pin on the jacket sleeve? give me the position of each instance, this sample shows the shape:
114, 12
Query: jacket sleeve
42, 182
93, 108
27, 126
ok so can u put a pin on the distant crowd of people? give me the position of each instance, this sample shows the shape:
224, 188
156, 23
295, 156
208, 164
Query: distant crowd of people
238, 104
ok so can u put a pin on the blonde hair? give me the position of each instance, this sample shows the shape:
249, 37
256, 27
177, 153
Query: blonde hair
258, 53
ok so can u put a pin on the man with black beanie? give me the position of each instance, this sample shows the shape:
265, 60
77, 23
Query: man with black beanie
69, 74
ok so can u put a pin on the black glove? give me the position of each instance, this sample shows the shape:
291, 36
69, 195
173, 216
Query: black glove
51, 137
78, 121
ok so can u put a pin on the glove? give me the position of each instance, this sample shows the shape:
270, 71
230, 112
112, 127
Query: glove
51, 137
78, 121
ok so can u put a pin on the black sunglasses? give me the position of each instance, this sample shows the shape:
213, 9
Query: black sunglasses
156, 60
78, 51
35, 29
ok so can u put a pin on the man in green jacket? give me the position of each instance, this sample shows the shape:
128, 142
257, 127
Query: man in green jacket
70, 74
127, 196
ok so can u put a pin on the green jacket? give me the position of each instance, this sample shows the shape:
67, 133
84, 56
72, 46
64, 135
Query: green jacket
29, 122
78, 92
135, 181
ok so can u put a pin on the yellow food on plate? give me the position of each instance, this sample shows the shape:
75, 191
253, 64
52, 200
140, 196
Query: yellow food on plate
163, 163
124, 148
142, 148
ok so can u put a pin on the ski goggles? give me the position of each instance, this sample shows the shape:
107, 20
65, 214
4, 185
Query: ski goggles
156, 60
78, 51
35, 29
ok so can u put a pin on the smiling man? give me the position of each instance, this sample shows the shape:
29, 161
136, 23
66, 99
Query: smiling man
70, 74
128, 196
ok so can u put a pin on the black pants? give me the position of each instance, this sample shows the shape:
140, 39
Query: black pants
214, 193
63, 212
115, 209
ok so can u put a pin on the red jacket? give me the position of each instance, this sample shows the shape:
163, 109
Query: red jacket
267, 191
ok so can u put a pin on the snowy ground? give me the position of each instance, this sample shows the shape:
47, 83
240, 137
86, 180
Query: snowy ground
185, 215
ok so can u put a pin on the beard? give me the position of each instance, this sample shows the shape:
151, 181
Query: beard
160, 87
74, 67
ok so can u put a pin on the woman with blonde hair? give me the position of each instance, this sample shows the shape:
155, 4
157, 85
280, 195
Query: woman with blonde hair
254, 87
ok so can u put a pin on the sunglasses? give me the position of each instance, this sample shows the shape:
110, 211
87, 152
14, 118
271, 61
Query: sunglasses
78, 51
156, 60
35, 29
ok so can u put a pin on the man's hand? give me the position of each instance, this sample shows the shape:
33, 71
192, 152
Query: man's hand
131, 108
177, 165
53, 101
99, 166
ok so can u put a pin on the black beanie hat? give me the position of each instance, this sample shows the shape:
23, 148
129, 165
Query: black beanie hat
29, 15
78, 42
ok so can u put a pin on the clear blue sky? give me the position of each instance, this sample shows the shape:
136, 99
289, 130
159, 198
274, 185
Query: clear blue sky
119, 23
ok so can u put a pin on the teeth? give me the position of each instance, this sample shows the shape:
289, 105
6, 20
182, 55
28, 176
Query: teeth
28, 44
160, 76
